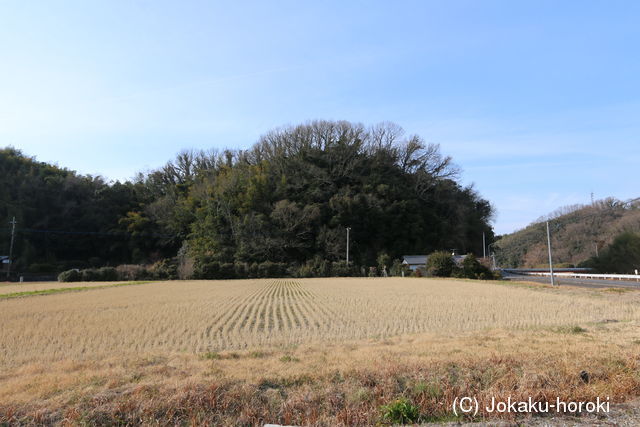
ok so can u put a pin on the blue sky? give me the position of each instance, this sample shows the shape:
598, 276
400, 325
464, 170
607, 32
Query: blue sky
538, 102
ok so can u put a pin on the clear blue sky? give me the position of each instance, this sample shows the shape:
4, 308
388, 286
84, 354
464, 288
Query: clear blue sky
538, 102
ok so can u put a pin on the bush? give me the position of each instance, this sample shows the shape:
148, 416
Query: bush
166, 269
384, 263
305, 270
241, 270
89, 275
104, 274
397, 268
266, 269
440, 264
400, 411
271, 269
341, 269
132, 272
315, 267
70, 276
107, 274
473, 269
206, 269
228, 271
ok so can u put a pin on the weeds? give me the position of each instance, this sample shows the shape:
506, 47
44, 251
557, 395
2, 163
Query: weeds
432, 390
400, 411
65, 290
399, 393
211, 355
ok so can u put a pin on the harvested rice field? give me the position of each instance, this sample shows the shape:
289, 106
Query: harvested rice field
195, 317
320, 352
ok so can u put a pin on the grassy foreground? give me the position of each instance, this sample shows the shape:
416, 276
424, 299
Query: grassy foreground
361, 383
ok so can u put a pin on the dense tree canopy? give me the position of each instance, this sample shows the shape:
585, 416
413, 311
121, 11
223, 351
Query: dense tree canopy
286, 200
62, 216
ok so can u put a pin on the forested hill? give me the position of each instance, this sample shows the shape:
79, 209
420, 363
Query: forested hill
286, 200
576, 232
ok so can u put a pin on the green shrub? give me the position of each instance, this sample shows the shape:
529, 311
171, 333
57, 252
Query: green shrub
305, 270
341, 269
132, 272
384, 263
440, 264
89, 275
315, 267
400, 411
206, 269
253, 271
166, 269
107, 274
267, 269
397, 268
70, 276
473, 269
228, 271
103, 274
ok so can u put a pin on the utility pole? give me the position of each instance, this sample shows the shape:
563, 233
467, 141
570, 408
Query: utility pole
596, 249
348, 228
484, 247
553, 280
13, 234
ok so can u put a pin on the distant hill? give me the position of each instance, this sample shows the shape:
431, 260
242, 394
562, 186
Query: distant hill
575, 233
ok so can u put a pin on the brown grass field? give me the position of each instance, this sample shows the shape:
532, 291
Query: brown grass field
306, 351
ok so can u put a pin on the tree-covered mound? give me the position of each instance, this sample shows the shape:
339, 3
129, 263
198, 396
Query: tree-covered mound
287, 201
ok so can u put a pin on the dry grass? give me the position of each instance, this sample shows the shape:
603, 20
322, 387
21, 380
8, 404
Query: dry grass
339, 384
316, 351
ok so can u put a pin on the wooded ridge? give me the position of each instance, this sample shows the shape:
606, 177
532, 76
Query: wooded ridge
286, 200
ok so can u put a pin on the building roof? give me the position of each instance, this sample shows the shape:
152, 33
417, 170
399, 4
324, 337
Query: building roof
414, 259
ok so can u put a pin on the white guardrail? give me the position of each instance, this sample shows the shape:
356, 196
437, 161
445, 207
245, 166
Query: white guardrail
631, 277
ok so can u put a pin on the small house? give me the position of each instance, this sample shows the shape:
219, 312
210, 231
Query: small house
414, 262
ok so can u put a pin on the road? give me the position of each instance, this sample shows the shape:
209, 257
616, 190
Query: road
585, 283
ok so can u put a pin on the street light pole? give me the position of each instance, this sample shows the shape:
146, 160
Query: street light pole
484, 247
553, 280
348, 228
